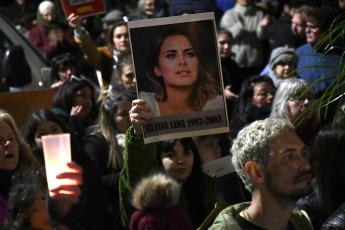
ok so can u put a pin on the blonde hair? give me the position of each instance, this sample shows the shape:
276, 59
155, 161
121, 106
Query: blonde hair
252, 144
26, 158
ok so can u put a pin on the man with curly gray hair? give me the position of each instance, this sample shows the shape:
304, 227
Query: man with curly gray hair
269, 158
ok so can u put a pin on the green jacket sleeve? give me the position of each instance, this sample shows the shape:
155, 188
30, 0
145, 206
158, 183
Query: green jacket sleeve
140, 160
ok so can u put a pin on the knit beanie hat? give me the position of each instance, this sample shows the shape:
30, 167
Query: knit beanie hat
282, 54
155, 198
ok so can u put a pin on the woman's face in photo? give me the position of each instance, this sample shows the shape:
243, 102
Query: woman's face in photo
122, 116
121, 38
263, 95
177, 62
46, 128
178, 163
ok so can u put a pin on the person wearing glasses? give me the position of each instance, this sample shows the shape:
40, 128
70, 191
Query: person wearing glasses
254, 102
320, 62
292, 102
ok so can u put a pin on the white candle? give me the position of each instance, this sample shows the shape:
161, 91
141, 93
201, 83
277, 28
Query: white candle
57, 153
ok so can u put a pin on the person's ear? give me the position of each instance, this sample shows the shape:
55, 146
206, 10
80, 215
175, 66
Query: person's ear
157, 72
119, 80
255, 172
3, 80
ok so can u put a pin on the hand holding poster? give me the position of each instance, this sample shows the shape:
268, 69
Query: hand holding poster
182, 88
83, 8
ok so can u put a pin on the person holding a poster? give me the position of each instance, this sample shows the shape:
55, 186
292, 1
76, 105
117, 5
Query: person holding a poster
103, 59
179, 158
181, 77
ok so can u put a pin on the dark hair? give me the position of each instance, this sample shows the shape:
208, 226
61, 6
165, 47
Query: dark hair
63, 98
30, 128
62, 60
26, 188
222, 30
206, 85
242, 113
328, 164
191, 188
110, 35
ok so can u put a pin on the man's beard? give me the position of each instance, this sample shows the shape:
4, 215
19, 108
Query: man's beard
282, 196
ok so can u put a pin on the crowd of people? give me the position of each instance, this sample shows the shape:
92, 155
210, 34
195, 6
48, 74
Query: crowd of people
286, 149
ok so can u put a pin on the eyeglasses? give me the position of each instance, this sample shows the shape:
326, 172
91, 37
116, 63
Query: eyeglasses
300, 99
312, 28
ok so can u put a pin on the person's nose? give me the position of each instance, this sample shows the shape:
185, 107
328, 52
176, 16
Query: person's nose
122, 38
49, 18
8, 144
270, 95
182, 60
181, 160
69, 72
304, 164
306, 102
88, 100
134, 80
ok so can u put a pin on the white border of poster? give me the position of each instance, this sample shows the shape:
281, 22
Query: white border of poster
142, 34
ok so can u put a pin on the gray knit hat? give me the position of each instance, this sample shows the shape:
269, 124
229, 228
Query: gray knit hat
113, 16
282, 54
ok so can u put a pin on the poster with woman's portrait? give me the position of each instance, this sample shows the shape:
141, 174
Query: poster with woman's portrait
178, 74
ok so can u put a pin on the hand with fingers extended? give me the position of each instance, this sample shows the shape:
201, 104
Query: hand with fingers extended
78, 111
69, 192
137, 117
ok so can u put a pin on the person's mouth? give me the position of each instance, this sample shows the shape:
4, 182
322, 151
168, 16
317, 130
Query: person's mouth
183, 73
9, 155
180, 170
304, 177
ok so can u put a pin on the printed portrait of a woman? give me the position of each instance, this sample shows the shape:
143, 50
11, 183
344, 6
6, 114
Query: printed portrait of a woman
181, 77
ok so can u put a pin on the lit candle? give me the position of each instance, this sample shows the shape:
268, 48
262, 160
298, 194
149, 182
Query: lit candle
57, 153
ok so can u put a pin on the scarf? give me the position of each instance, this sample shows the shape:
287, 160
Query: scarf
258, 113
45, 23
